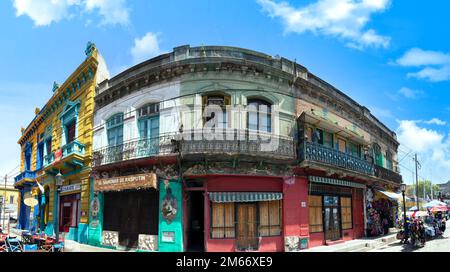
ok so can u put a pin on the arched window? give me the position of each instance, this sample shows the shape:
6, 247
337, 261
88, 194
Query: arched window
259, 115
148, 121
114, 127
218, 100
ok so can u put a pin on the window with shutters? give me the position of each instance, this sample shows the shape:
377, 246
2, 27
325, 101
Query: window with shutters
315, 214
222, 220
346, 213
270, 218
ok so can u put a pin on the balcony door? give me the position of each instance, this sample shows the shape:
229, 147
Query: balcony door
332, 218
246, 227
114, 127
342, 145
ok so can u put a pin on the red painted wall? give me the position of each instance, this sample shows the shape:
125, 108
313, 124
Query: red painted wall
316, 239
296, 217
358, 213
240, 184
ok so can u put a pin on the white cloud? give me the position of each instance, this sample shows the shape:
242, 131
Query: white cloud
436, 121
418, 57
432, 147
435, 65
46, 12
410, 93
146, 47
112, 11
433, 74
344, 19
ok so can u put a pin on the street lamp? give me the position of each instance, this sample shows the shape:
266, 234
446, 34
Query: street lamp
403, 189
59, 180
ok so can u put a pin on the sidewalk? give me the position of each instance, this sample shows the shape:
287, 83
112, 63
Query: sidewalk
358, 245
72, 246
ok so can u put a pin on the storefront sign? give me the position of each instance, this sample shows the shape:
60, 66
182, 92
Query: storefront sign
70, 188
168, 237
127, 182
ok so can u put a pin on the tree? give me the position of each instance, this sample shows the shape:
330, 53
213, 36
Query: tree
410, 189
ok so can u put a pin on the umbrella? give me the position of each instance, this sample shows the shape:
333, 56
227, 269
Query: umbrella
435, 203
439, 209
414, 208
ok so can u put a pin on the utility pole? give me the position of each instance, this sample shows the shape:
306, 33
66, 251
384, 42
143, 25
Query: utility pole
417, 181
4, 202
431, 180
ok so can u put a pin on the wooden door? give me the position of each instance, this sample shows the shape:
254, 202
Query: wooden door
247, 228
332, 218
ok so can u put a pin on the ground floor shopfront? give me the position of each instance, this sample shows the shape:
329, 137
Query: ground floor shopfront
138, 211
260, 213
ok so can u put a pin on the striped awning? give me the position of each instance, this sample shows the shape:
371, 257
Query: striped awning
337, 182
222, 197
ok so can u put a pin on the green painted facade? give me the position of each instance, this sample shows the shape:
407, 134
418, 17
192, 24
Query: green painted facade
174, 229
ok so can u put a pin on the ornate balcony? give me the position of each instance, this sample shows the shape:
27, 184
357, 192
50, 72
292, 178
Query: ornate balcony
314, 152
134, 149
243, 143
73, 148
71, 153
387, 174
26, 176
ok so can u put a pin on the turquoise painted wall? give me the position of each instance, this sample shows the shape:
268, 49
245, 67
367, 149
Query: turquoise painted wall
175, 227
95, 228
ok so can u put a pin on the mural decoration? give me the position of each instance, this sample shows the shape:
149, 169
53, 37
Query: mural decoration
169, 207
148, 242
95, 209
110, 238
291, 243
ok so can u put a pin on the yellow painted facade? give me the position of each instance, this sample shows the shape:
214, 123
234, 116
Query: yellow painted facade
74, 97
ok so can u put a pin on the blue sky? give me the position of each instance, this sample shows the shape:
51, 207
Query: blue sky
391, 56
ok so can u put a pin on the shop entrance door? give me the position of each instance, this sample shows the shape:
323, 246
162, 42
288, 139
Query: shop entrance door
332, 218
196, 235
69, 212
246, 227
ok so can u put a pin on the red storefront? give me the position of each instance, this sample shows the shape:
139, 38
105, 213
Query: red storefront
336, 210
244, 213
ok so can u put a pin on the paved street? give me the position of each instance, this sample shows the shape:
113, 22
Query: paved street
440, 244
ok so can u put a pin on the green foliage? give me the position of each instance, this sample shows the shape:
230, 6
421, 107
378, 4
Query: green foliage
410, 189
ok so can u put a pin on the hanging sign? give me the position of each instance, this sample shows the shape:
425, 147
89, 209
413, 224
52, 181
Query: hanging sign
147, 180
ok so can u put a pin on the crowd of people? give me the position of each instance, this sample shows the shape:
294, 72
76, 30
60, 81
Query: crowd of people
420, 228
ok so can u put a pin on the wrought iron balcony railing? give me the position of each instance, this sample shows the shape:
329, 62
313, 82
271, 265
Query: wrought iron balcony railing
73, 148
25, 175
242, 142
134, 149
387, 174
318, 153
49, 159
